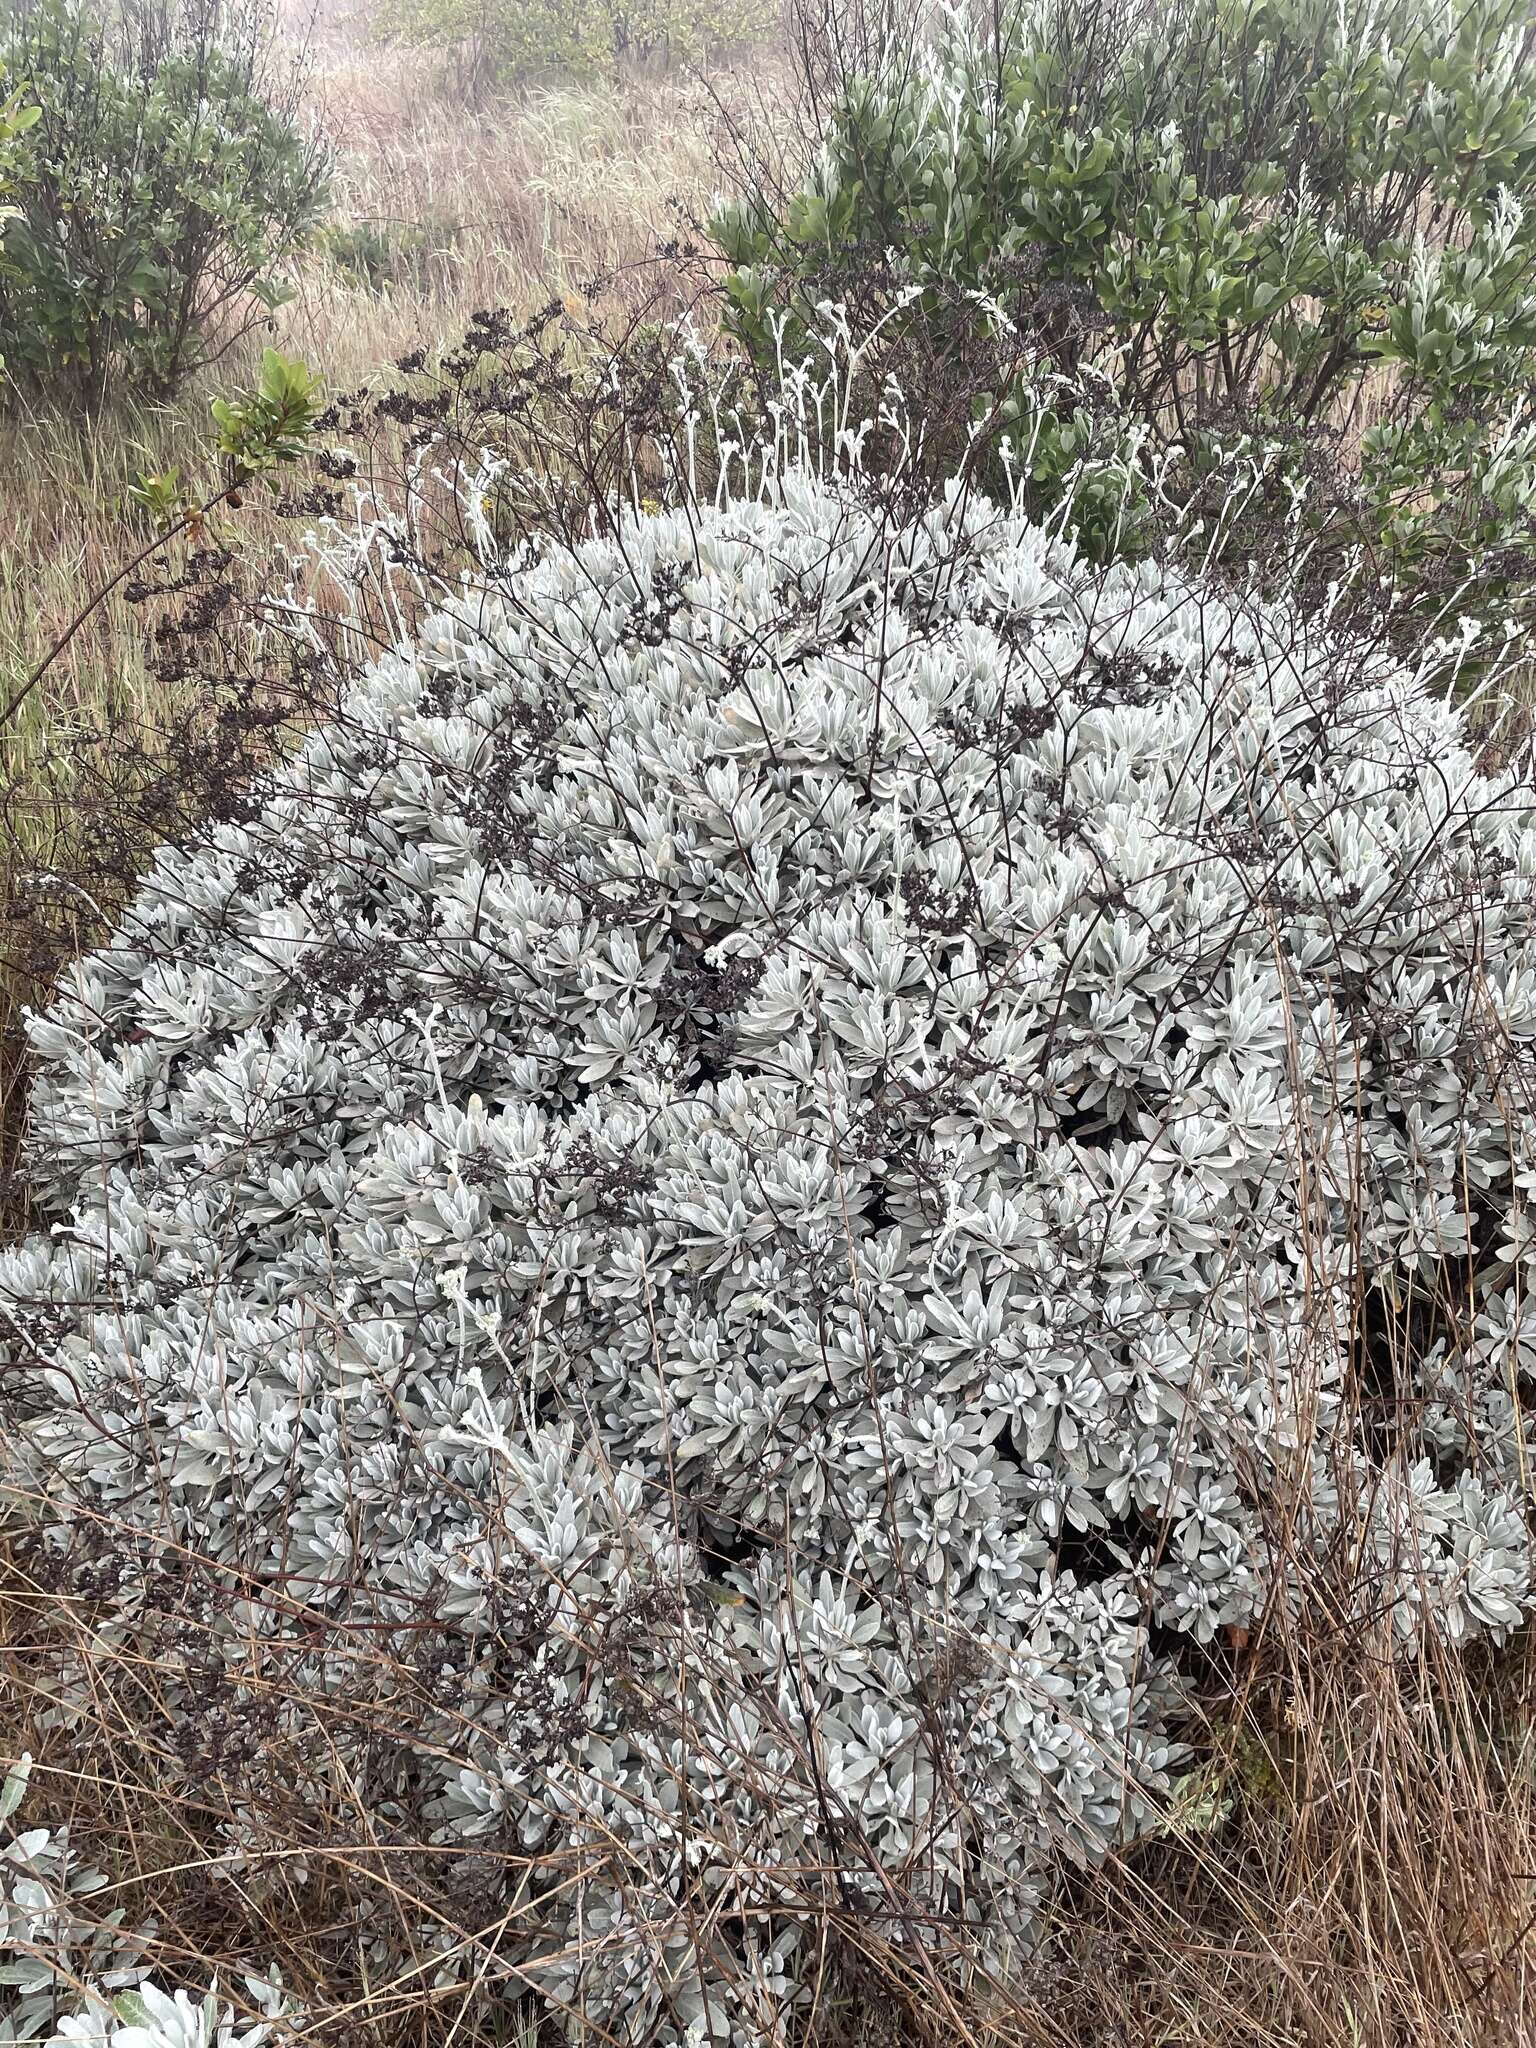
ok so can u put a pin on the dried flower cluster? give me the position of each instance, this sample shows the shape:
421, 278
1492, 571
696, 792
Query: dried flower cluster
795, 1154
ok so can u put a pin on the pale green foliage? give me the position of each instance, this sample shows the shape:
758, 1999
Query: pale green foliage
1304, 226
17, 115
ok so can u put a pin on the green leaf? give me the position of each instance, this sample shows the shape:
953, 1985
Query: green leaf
14, 1789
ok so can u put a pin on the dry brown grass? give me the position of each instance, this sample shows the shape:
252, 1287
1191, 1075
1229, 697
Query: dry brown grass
1354, 1868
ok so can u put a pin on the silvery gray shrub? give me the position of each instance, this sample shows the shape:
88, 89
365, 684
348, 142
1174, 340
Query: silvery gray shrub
799, 1145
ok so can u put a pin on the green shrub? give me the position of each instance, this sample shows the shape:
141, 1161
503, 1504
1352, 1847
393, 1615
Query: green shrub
167, 180
17, 115
489, 42
375, 259
1301, 225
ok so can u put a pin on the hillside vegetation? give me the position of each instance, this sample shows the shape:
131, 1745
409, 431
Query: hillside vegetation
769, 878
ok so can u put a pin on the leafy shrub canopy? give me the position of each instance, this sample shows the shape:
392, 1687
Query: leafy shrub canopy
1304, 225
16, 117
163, 189
792, 1133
